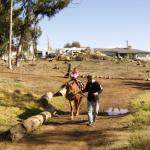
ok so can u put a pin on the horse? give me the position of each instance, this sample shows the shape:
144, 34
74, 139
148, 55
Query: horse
72, 92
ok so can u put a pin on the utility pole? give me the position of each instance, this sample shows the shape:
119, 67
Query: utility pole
127, 42
10, 36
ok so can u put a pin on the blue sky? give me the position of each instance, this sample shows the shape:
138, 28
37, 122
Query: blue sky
100, 24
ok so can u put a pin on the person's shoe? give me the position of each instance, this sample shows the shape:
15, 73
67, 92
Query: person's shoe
90, 124
94, 119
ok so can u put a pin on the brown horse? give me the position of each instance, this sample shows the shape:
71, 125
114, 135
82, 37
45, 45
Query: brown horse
72, 92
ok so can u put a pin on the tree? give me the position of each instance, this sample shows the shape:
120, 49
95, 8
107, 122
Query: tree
75, 44
67, 45
4, 25
26, 17
32, 12
10, 35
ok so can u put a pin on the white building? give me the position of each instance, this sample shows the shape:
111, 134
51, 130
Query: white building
69, 51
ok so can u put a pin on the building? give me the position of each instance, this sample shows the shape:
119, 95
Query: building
69, 51
128, 52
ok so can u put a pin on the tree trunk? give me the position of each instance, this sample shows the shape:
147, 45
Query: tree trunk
10, 36
18, 53
35, 40
21, 129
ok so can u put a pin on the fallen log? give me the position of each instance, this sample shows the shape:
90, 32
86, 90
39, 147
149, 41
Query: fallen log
45, 99
45, 102
21, 129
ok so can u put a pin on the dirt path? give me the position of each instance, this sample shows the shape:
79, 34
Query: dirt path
62, 133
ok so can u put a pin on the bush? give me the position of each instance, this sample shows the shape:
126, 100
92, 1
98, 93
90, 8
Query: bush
94, 56
79, 58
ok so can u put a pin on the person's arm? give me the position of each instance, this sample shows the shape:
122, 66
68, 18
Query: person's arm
86, 88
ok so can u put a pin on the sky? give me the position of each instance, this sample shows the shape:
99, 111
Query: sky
99, 24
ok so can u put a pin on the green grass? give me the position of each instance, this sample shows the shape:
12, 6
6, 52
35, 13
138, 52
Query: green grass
15, 104
140, 140
140, 123
141, 103
61, 103
8, 115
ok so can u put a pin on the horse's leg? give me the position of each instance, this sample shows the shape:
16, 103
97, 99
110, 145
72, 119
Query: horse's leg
78, 106
71, 109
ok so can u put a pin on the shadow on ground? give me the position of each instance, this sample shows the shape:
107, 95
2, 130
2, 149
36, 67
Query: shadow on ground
29, 112
17, 99
139, 85
92, 137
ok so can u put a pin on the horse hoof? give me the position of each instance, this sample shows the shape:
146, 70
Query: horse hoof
77, 114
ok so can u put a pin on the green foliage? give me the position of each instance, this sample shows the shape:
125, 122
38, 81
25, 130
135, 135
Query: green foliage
67, 45
48, 7
74, 44
26, 16
4, 22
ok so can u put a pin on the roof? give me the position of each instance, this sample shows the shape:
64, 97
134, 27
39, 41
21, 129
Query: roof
122, 50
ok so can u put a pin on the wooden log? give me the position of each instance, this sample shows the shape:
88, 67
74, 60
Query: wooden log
45, 99
16, 132
21, 129
34, 122
45, 102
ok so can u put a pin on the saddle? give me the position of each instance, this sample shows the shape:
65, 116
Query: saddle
80, 84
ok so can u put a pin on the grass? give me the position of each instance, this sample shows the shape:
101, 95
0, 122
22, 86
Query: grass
142, 104
8, 115
140, 123
61, 103
16, 104
140, 140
